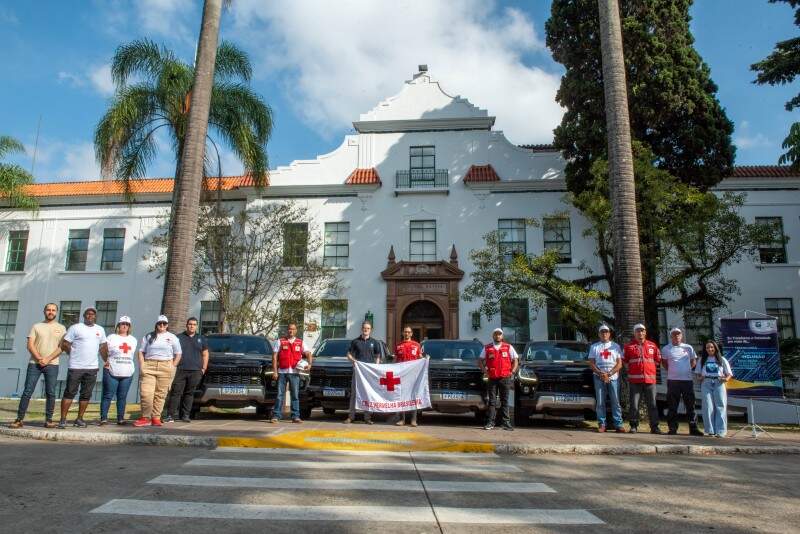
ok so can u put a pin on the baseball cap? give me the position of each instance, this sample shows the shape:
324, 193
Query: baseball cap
676, 329
604, 327
639, 326
497, 330
124, 319
92, 308
162, 319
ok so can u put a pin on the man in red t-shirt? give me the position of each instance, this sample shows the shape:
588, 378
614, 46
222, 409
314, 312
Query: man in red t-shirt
642, 358
407, 350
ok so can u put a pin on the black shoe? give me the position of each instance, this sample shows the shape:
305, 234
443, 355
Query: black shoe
186, 420
694, 431
168, 419
62, 423
80, 423
672, 431
656, 430
633, 430
508, 427
489, 426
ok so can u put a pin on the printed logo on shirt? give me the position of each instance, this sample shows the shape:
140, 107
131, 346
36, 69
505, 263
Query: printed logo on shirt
504, 353
605, 354
413, 351
712, 368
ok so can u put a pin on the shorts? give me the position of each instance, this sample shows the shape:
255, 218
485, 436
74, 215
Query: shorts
85, 378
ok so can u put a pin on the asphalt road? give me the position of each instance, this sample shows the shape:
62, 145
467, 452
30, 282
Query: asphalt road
60, 487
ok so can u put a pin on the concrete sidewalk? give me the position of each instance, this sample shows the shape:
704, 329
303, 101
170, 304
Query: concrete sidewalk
436, 433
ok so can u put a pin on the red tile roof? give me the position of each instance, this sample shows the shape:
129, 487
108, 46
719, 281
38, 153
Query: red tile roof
764, 171
113, 187
481, 173
363, 177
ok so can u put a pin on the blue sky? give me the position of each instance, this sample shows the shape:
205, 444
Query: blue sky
319, 64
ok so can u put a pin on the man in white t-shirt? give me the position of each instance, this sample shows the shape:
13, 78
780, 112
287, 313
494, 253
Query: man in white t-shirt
605, 359
679, 359
83, 342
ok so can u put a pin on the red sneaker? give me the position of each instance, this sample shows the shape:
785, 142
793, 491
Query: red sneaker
156, 421
142, 421
601, 428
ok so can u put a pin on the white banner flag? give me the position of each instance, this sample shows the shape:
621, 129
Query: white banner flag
392, 387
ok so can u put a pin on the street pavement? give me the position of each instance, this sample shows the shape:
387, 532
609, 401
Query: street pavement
60, 487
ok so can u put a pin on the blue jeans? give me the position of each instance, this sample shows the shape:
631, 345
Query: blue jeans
601, 389
114, 387
294, 390
35, 370
715, 407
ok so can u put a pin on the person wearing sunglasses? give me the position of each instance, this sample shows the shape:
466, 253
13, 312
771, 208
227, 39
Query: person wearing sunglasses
158, 358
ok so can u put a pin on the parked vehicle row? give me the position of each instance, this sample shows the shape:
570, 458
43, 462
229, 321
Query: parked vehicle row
554, 377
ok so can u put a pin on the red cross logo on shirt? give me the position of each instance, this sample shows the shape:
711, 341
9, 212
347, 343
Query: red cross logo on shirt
389, 381
125, 347
605, 354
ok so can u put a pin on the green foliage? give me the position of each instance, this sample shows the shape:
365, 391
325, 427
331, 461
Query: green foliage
781, 67
238, 262
14, 178
672, 99
689, 237
154, 93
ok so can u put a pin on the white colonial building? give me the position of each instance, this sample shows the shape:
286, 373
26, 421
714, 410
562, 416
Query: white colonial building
400, 202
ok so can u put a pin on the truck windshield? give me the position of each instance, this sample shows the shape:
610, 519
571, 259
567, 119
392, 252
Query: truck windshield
452, 350
333, 347
239, 345
556, 352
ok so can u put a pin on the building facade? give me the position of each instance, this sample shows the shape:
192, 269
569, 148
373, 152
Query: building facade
400, 204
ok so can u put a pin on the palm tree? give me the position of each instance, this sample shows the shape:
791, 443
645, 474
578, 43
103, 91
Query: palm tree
158, 92
14, 178
627, 290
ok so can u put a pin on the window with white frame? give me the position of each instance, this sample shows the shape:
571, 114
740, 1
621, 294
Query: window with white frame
511, 237
337, 244
17, 249
557, 236
8, 323
334, 318
422, 236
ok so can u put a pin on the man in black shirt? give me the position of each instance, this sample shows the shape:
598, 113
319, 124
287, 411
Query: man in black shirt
362, 349
192, 367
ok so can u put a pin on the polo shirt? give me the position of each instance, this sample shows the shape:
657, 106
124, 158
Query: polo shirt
365, 350
192, 348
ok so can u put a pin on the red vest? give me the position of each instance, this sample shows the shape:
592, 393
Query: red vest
407, 351
498, 360
290, 353
642, 361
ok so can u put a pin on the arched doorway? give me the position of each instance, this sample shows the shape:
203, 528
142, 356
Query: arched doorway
425, 319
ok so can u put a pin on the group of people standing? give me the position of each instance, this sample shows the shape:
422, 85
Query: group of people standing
170, 368
643, 358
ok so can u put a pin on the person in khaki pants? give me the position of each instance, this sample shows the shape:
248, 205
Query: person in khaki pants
158, 359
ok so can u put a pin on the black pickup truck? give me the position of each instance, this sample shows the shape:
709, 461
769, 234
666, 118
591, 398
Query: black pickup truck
332, 375
239, 374
456, 381
555, 379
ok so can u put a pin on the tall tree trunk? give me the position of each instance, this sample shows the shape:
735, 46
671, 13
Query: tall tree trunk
628, 299
189, 182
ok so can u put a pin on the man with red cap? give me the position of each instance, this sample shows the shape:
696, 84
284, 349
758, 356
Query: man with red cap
499, 362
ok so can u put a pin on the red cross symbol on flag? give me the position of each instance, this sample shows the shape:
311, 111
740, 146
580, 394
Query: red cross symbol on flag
389, 381
125, 348
605, 354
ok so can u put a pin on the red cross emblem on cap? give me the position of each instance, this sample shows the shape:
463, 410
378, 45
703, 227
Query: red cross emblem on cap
125, 347
390, 381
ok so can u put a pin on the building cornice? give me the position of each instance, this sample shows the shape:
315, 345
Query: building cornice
424, 125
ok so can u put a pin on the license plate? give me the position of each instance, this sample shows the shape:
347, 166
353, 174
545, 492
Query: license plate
332, 392
567, 398
454, 395
234, 390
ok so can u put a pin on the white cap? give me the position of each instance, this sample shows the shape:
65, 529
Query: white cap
639, 326
162, 319
676, 329
302, 365
497, 330
124, 319
89, 308
605, 327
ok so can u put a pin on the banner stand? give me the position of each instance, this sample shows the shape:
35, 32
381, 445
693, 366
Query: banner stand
752, 425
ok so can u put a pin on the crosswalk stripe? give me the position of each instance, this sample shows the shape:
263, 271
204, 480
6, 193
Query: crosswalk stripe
516, 516
380, 466
382, 514
352, 484
334, 453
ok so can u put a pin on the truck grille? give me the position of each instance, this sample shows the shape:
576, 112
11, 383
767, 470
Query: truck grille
331, 381
455, 381
562, 387
237, 379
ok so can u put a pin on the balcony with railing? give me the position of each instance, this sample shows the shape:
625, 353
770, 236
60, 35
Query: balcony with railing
422, 181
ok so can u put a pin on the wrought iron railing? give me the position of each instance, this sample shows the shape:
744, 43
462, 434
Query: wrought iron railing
423, 179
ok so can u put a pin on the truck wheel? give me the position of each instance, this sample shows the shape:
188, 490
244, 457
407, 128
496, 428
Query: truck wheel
305, 412
329, 411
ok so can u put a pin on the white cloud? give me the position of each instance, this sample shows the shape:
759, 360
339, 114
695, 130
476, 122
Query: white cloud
101, 79
75, 80
167, 18
745, 139
58, 161
342, 58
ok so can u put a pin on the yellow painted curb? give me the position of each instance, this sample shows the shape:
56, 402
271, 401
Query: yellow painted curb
356, 440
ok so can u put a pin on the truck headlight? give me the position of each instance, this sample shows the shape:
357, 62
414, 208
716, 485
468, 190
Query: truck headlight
527, 375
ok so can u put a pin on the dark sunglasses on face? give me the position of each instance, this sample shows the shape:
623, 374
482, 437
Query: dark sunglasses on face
161, 322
